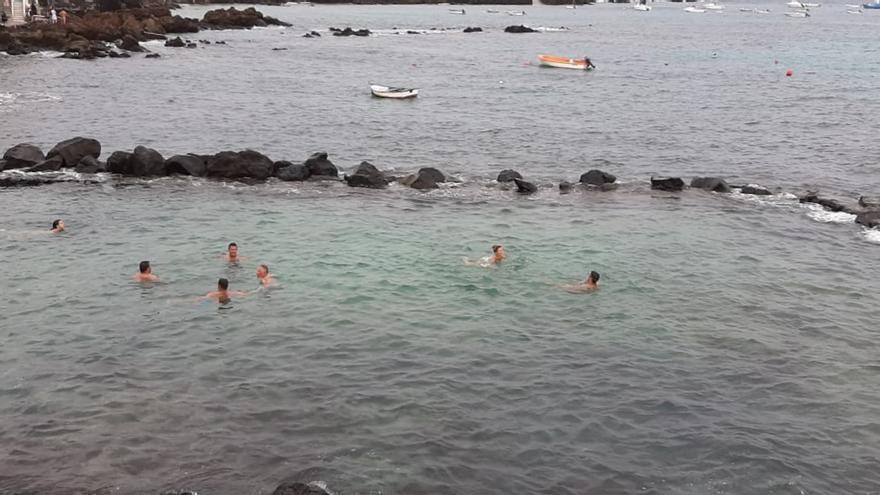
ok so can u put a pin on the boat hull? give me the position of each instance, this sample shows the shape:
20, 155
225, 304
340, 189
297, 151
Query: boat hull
562, 62
393, 93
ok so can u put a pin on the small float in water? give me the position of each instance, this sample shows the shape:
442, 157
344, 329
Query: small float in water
394, 93
566, 62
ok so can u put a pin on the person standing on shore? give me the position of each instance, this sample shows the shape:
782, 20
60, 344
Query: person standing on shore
53, 16
145, 273
63, 17
33, 10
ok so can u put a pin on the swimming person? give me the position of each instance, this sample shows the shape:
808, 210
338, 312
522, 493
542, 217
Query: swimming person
498, 255
588, 285
145, 273
222, 294
57, 226
232, 253
266, 280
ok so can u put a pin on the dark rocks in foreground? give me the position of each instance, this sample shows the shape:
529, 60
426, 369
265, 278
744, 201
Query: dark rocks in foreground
191, 164
175, 42
524, 187
319, 165
870, 219
710, 184
367, 175
71, 151
519, 29
755, 190
247, 164
425, 178
288, 171
508, 175
298, 489
22, 156
473, 30
868, 202
597, 178
667, 184
233, 18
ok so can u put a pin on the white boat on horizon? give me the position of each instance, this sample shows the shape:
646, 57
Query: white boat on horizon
490, 11
394, 93
642, 7
799, 14
694, 10
794, 4
516, 12
812, 5
713, 6
856, 12
457, 11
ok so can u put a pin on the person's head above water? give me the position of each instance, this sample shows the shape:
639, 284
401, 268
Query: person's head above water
498, 250
58, 225
262, 270
144, 267
232, 249
223, 284
593, 278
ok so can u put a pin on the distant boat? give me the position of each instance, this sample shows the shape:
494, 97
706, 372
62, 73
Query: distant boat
743, 9
853, 6
694, 10
516, 12
490, 11
813, 5
762, 11
565, 62
799, 14
794, 4
713, 6
872, 5
642, 7
854, 11
457, 11
397, 93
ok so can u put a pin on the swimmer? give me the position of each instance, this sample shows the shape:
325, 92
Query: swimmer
232, 253
57, 226
498, 255
222, 294
266, 280
145, 273
588, 285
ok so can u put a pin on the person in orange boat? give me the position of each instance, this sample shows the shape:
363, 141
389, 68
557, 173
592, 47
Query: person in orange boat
589, 63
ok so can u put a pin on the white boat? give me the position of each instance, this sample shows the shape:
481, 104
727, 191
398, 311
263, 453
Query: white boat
743, 9
762, 11
389, 92
490, 11
853, 6
566, 62
457, 11
641, 7
713, 6
516, 12
694, 10
798, 14
812, 5
794, 4
856, 12
572, 6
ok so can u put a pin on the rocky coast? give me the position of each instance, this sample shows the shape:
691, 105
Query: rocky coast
27, 165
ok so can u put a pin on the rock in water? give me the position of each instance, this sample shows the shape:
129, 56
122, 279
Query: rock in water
22, 156
321, 166
292, 171
710, 184
367, 175
90, 165
175, 43
668, 184
240, 164
597, 178
565, 187
118, 162
194, 165
519, 29
756, 190
147, 162
524, 187
298, 489
432, 174
425, 178
130, 43
49, 165
508, 176
73, 150
233, 18
473, 30
869, 219
351, 32
869, 202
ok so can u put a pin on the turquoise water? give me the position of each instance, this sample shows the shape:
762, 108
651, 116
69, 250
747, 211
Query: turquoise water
731, 348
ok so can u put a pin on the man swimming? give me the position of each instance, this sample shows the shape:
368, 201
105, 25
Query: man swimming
232, 253
57, 226
223, 295
145, 273
266, 280
588, 285
496, 257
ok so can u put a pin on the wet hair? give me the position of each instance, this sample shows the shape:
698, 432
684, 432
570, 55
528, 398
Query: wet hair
231, 244
144, 266
594, 276
265, 267
55, 223
496, 247
223, 283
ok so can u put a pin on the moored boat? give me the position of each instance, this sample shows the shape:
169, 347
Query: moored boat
395, 93
713, 6
872, 5
566, 62
642, 7
694, 10
457, 11
799, 14
516, 12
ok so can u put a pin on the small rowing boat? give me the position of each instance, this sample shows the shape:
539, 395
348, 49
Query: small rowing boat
642, 7
799, 14
389, 92
516, 12
694, 10
457, 11
565, 62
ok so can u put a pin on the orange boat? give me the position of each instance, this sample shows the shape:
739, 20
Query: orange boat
565, 62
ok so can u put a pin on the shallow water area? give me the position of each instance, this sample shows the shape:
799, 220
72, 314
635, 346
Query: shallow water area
730, 349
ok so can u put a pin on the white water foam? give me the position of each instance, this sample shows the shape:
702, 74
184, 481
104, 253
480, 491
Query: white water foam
871, 235
820, 214
10, 100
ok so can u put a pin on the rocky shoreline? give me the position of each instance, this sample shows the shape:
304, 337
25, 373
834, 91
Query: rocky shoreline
82, 155
118, 34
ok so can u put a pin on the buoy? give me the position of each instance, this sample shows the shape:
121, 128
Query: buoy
789, 73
